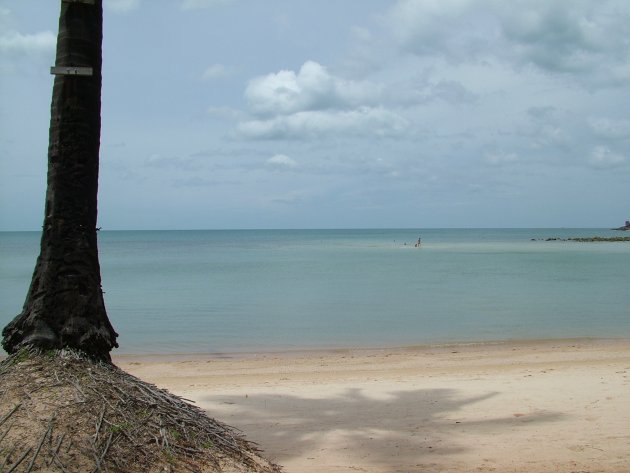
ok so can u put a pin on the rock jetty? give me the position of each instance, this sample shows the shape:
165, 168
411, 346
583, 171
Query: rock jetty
586, 239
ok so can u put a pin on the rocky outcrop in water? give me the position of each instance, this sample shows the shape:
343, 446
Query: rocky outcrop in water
586, 239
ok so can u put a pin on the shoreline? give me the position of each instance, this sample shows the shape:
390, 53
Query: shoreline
317, 351
515, 406
152, 357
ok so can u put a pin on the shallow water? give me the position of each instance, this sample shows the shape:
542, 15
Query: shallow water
259, 290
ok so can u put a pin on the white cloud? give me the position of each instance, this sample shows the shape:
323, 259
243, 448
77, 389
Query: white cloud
361, 34
583, 39
158, 161
610, 129
364, 121
540, 113
18, 43
316, 103
198, 4
603, 157
281, 161
455, 29
312, 88
215, 71
568, 37
292, 197
498, 159
122, 5
424, 90
549, 135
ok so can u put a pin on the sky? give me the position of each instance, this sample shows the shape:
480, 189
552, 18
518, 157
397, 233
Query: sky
335, 114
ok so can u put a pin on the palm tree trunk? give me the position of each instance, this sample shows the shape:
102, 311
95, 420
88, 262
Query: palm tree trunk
64, 307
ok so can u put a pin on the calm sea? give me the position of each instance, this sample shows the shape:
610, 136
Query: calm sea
265, 290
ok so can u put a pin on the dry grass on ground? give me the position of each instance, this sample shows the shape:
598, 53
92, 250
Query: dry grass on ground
60, 412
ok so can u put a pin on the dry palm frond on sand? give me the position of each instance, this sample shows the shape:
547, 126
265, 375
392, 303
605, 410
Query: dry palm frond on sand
63, 412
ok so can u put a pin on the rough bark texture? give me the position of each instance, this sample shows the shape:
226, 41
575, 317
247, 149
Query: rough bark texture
64, 306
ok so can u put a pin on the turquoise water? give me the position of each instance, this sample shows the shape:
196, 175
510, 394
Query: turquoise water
263, 290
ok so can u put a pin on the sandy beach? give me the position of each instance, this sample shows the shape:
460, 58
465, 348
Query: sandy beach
546, 406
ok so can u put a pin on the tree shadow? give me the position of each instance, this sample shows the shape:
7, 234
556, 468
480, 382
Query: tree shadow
391, 430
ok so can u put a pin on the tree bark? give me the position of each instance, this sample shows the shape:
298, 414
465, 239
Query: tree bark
64, 307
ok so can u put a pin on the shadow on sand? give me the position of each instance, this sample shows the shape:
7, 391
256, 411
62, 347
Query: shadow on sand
396, 431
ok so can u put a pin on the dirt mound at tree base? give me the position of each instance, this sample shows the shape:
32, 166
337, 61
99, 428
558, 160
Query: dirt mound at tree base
62, 412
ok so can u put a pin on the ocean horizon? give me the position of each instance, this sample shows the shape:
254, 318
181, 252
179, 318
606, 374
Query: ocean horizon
229, 291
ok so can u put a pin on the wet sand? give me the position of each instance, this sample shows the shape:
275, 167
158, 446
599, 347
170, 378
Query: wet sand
543, 406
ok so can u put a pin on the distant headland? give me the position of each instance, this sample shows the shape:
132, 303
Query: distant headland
625, 228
